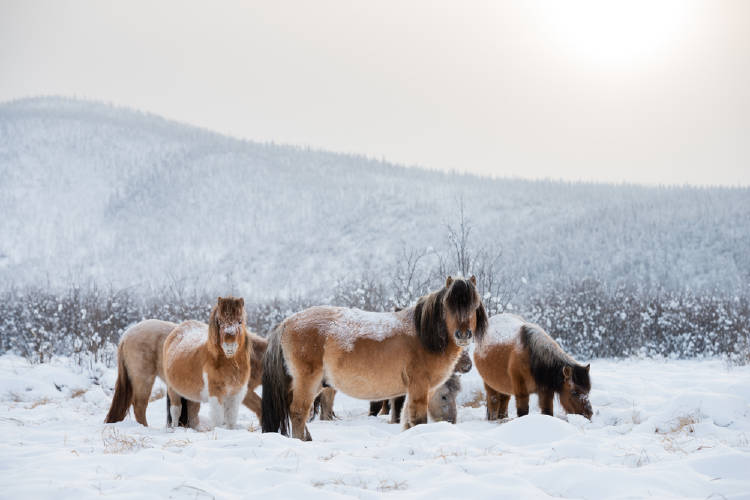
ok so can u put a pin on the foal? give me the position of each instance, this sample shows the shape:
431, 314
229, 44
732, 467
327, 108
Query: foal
209, 365
519, 358
442, 405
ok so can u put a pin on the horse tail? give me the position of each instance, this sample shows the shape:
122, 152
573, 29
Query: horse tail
276, 387
316, 408
123, 395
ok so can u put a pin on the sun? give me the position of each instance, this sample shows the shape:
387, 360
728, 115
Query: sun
615, 33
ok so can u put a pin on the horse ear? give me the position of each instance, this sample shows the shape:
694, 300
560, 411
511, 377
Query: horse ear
219, 299
567, 372
448, 281
473, 280
242, 302
588, 367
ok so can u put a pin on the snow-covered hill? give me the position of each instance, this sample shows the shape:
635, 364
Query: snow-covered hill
88, 190
676, 429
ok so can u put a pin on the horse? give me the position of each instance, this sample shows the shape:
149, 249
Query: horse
209, 365
519, 358
442, 406
368, 355
139, 363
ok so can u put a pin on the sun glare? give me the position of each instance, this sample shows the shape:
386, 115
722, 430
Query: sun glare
615, 33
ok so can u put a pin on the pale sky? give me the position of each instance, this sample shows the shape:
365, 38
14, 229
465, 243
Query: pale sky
654, 92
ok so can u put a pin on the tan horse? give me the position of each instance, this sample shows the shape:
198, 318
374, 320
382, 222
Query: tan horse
139, 360
210, 365
519, 358
368, 355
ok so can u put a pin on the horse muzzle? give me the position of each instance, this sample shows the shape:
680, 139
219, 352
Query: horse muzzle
229, 348
463, 339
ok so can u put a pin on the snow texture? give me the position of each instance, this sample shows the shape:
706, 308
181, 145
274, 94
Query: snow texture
502, 329
354, 324
189, 338
666, 429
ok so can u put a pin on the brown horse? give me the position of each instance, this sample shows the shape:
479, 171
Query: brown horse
139, 362
519, 358
442, 405
210, 365
368, 355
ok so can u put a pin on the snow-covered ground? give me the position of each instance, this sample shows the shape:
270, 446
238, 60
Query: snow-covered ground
663, 429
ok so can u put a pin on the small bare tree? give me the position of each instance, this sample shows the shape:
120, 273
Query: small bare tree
496, 286
410, 280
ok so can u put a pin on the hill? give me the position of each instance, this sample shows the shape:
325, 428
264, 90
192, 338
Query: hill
89, 191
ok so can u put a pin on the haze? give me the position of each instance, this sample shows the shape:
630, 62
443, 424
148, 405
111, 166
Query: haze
644, 92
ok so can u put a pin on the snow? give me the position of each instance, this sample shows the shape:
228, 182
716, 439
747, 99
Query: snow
661, 428
190, 337
353, 324
503, 329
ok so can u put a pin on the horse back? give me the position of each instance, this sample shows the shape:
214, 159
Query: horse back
142, 347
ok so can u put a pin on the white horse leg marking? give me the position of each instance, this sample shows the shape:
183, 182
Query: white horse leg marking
204, 391
174, 412
232, 407
217, 411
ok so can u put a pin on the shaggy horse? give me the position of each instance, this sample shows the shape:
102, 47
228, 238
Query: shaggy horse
368, 355
210, 365
442, 405
519, 358
139, 362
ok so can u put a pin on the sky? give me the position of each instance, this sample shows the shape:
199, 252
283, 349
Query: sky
653, 92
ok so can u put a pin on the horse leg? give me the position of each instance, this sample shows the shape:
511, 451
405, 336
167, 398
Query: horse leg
522, 404
253, 402
503, 400
193, 408
494, 403
522, 395
385, 409
217, 410
304, 391
232, 408
175, 407
397, 405
415, 409
376, 407
141, 394
326, 403
546, 399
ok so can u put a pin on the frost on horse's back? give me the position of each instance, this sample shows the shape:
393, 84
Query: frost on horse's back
353, 324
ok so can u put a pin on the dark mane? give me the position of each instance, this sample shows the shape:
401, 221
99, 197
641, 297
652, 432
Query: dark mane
547, 359
429, 321
214, 339
453, 384
461, 297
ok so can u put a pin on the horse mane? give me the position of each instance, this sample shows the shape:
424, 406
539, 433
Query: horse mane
214, 339
429, 321
547, 359
461, 296
453, 384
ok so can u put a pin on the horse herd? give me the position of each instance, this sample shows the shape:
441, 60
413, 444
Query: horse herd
406, 362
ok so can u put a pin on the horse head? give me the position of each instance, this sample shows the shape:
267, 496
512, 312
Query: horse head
454, 312
227, 325
465, 316
574, 395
